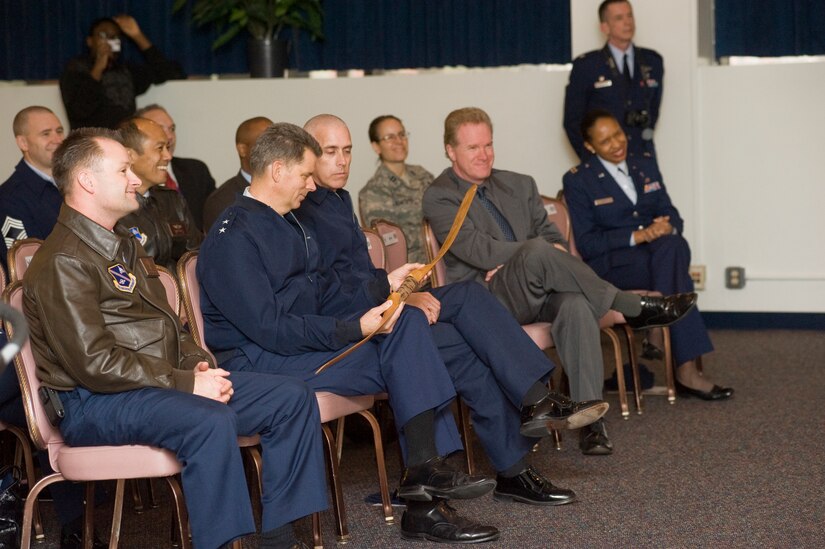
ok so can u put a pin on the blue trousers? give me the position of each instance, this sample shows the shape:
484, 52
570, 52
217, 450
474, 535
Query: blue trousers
492, 363
404, 363
203, 435
662, 265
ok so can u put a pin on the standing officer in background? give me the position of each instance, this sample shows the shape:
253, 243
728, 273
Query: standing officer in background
620, 78
189, 176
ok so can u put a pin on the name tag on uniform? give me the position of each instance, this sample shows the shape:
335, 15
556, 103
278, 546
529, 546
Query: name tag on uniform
602, 82
177, 229
650, 187
603, 201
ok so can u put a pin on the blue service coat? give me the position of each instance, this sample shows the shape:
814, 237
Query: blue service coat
29, 206
597, 83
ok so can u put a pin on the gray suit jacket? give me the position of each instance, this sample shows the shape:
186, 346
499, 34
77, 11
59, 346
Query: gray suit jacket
480, 245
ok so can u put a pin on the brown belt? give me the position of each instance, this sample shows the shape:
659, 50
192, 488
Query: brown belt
414, 279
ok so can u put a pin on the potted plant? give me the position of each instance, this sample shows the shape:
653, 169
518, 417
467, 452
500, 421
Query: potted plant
264, 20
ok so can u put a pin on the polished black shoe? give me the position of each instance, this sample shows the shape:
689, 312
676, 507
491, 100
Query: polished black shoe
556, 411
717, 393
441, 523
662, 311
531, 487
651, 351
593, 440
434, 478
71, 539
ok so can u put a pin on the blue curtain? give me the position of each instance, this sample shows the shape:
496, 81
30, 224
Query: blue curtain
770, 28
40, 36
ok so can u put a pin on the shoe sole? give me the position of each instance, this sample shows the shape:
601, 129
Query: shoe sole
582, 418
422, 492
598, 451
423, 536
511, 497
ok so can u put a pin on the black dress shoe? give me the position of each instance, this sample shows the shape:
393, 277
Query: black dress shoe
651, 351
717, 393
434, 478
441, 523
593, 440
530, 487
71, 539
662, 311
556, 411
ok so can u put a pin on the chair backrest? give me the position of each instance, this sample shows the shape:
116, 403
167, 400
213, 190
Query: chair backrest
170, 284
438, 276
190, 290
375, 247
395, 243
20, 255
41, 431
571, 240
3, 280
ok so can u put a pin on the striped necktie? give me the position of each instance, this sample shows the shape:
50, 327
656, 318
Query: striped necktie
499, 219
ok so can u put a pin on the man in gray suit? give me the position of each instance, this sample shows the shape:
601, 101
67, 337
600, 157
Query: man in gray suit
507, 243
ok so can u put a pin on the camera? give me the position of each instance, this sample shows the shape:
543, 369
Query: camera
637, 119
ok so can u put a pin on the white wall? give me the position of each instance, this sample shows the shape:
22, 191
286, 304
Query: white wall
737, 145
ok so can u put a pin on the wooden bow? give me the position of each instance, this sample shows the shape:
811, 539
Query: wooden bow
414, 279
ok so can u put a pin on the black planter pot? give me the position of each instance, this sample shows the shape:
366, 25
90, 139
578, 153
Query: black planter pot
267, 58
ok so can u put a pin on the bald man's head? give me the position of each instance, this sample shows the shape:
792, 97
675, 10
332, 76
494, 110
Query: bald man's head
245, 137
332, 133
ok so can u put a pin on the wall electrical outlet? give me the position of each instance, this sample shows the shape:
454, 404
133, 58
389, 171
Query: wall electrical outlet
697, 273
735, 278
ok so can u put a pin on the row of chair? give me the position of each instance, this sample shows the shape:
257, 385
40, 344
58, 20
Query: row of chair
119, 463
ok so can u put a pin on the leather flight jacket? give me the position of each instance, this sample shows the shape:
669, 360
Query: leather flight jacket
164, 226
98, 313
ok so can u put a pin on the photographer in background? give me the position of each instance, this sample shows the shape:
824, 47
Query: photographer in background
621, 78
97, 88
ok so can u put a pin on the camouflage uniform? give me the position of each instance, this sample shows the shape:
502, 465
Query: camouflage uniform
387, 196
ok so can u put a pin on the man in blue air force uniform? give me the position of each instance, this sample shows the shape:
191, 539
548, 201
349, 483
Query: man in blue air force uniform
266, 308
496, 368
630, 234
622, 78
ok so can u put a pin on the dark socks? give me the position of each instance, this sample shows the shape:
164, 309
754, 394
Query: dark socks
281, 537
628, 304
420, 434
514, 470
534, 394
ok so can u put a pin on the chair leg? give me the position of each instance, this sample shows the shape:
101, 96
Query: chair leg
466, 435
137, 499
335, 480
150, 488
257, 462
699, 366
89, 517
551, 385
634, 368
380, 465
339, 438
28, 462
28, 508
617, 356
317, 540
117, 513
180, 512
671, 386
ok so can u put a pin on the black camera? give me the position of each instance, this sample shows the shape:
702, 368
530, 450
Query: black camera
637, 119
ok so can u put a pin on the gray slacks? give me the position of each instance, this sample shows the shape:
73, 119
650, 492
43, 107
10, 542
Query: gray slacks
541, 283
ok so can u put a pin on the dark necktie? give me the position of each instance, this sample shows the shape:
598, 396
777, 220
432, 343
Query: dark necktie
500, 220
626, 70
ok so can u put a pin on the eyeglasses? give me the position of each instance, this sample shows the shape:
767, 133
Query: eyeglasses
400, 136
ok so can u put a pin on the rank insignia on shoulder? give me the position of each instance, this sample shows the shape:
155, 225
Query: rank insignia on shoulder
139, 235
122, 279
574, 169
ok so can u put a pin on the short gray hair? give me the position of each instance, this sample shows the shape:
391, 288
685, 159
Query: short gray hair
281, 141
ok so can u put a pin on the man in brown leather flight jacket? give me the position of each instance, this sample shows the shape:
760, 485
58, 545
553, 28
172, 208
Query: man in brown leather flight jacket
163, 224
106, 340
